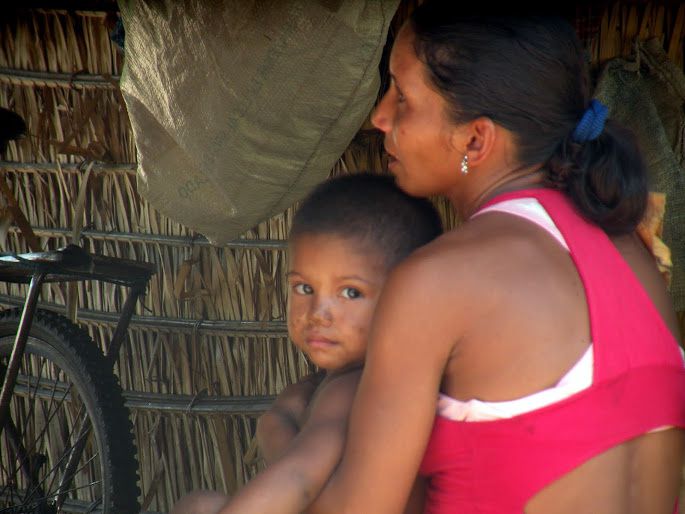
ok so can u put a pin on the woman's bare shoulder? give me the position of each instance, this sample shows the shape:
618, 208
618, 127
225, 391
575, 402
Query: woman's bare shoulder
467, 253
448, 281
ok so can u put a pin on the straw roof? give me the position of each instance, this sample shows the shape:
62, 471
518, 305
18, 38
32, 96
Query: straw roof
212, 322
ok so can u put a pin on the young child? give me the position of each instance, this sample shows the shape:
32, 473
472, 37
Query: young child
345, 238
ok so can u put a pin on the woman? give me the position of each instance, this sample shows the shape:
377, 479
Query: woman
554, 360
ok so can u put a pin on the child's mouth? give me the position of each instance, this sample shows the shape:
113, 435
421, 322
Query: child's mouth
319, 342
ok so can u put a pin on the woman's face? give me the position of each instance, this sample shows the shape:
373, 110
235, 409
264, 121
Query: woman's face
419, 138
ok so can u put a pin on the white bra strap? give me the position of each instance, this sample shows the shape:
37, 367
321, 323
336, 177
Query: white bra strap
530, 209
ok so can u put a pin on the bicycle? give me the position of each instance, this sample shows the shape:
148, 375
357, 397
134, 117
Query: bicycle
65, 432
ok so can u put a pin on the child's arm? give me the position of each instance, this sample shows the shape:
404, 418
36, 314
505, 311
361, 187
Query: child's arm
293, 481
279, 425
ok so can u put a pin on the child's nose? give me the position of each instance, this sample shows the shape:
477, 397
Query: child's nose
321, 312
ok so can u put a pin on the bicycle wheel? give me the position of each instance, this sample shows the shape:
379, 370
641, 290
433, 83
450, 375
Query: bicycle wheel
68, 445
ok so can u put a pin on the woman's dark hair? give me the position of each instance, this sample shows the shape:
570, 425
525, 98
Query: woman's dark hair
370, 209
528, 74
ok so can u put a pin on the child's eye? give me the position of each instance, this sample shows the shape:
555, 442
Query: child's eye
303, 289
351, 293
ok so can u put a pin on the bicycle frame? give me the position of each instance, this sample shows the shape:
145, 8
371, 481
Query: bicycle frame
69, 264
19, 346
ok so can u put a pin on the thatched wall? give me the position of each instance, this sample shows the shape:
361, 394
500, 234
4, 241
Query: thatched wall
195, 282
212, 321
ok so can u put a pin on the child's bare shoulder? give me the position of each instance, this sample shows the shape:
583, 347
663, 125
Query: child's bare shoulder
334, 396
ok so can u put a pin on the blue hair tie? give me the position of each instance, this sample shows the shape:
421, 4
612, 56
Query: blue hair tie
591, 124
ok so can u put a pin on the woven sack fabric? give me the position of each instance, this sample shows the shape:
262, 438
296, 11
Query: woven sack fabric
240, 107
648, 96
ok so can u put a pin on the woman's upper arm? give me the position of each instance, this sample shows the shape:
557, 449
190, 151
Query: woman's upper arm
417, 497
393, 412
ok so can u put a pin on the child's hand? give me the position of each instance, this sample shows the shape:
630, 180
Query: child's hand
281, 423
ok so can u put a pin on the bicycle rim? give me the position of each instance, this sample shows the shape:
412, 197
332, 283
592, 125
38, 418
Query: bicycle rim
68, 445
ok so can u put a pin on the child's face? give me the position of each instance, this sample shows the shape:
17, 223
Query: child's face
334, 284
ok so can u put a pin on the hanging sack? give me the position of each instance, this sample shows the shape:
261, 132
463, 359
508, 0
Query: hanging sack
240, 107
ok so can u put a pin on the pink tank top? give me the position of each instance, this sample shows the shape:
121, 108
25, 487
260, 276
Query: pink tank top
638, 386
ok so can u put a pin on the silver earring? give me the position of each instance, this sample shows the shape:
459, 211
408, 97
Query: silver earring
465, 165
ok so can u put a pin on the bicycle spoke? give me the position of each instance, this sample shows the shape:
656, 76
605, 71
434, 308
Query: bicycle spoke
75, 453
94, 505
49, 416
67, 450
68, 442
23, 456
83, 466
49, 495
89, 485
10, 432
52, 397
27, 501
55, 404
32, 401
65, 453
39, 437
13, 494
52, 413
14, 440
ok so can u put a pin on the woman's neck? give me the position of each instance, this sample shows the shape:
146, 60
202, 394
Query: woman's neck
466, 204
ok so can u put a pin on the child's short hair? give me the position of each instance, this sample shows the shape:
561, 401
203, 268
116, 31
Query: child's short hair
371, 209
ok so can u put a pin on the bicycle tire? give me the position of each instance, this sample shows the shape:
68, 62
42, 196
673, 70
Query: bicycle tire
64, 384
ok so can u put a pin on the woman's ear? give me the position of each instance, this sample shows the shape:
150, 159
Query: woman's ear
481, 136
